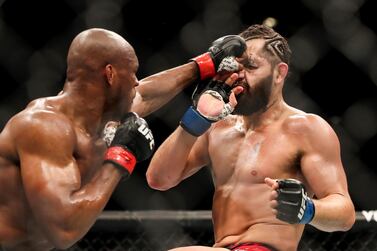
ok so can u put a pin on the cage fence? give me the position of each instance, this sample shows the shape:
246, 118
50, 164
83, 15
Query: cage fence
159, 230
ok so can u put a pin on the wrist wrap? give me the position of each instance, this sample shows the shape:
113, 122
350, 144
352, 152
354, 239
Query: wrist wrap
206, 66
308, 212
194, 123
121, 157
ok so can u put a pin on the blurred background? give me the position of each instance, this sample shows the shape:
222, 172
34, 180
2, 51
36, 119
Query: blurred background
333, 72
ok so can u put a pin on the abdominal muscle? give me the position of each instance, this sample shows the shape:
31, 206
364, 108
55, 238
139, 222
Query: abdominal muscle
242, 214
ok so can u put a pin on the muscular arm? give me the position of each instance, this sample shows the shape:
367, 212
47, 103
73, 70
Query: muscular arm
158, 89
63, 207
180, 156
183, 154
322, 168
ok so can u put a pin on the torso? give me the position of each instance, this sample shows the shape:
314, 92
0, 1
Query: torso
19, 230
240, 161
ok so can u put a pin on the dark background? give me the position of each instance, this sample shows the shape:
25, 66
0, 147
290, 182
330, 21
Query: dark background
333, 71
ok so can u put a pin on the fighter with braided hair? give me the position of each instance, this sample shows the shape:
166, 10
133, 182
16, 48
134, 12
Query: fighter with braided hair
275, 168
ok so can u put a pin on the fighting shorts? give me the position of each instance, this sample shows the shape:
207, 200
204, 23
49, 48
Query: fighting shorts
251, 247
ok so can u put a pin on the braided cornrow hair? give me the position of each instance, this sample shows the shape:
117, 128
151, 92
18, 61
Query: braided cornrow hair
275, 45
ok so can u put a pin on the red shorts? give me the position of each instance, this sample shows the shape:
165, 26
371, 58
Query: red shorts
250, 247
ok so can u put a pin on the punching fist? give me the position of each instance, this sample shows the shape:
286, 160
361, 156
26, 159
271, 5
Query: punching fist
220, 56
212, 103
133, 142
293, 204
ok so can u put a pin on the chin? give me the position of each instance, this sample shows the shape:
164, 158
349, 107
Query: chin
126, 108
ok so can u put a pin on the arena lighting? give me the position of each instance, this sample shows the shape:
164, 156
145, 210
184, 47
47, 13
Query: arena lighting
270, 22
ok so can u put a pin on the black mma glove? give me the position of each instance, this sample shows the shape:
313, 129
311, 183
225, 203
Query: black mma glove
294, 205
211, 84
133, 142
196, 123
220, 56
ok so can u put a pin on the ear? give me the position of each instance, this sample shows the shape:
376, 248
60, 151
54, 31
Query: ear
110, 74
282, 71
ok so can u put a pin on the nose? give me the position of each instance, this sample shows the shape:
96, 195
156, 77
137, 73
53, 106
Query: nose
136, 83
241, 74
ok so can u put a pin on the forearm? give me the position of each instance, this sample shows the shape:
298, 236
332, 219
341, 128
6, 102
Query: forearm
168, 163
333, 213
158, 89
95, 194
80, 211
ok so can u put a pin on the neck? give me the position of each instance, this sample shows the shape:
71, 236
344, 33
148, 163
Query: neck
84, 104
270, 113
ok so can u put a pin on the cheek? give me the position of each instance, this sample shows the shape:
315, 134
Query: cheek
127, 89
125, 94
132, 93
252, 79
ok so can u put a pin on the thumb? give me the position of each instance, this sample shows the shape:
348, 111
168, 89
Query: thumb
232, 98
237, 90
271, 183
230, 80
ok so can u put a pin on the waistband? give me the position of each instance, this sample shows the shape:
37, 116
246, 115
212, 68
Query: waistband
252, 246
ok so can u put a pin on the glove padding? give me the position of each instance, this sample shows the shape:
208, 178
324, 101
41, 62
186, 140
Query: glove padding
197, 123
219, 90
231, 45
109, 132
294, 205
226, 47
133, 142
213, 85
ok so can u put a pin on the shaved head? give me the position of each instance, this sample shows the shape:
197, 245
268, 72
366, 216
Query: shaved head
103, 64
92, 49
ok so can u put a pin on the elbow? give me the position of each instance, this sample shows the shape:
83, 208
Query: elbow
64, 240
62, 245
351, 217
63, 237
337, 217
158, 183
350, 221
346, 225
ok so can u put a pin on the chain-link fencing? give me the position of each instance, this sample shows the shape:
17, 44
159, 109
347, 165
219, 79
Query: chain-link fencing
162, 230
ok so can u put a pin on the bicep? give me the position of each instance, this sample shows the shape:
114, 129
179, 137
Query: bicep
45, 179
138, 105
48, 169
321, 163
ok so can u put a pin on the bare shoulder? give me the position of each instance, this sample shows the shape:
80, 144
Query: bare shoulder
224, 126
39, 125
298, 121
228, 121
308, 126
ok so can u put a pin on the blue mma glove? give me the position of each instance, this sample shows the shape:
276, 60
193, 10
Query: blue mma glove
294, 205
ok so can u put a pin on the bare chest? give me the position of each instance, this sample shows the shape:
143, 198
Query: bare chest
252, 156
89, 153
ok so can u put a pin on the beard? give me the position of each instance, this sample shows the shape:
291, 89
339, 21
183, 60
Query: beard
256, 99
